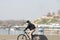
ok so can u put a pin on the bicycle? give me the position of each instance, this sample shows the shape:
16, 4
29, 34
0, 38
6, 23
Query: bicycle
26, 37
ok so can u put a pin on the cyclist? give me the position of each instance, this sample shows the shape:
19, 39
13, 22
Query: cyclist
31, 28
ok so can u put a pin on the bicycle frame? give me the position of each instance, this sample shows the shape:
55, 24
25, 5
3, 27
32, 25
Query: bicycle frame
26, 34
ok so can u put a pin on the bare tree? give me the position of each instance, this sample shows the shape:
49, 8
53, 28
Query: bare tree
49, 14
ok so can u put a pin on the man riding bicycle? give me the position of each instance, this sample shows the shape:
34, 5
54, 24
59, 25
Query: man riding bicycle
31, 27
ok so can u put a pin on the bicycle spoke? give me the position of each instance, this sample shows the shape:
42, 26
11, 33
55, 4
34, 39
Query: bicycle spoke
22, 37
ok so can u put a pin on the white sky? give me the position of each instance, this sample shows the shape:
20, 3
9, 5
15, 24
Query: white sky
27, 9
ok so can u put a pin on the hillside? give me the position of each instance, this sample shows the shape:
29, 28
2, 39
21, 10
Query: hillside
49, 18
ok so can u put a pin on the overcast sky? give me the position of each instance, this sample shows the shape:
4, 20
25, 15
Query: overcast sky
27, 9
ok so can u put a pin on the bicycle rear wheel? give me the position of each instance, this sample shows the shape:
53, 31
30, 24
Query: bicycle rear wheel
21, 37
36, 38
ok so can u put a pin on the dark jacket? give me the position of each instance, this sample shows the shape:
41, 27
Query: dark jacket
30, 26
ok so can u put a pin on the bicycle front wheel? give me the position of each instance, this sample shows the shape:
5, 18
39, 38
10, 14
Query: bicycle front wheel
21, 37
